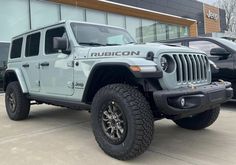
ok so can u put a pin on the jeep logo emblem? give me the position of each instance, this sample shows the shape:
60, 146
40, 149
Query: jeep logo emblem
212, 15
118, 53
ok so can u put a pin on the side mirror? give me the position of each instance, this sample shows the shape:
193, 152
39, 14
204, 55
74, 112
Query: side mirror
219, 52
62, 44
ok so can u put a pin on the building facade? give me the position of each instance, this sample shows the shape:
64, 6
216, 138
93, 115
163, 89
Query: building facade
146, 20
192, 9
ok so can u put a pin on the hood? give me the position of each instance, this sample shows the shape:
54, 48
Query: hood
137, 50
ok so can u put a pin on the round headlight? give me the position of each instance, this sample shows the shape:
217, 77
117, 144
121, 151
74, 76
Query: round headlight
167, 63
164, 63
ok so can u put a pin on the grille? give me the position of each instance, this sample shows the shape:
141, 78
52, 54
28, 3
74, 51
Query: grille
191, 68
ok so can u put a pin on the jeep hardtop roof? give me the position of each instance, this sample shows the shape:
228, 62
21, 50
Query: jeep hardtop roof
64, 22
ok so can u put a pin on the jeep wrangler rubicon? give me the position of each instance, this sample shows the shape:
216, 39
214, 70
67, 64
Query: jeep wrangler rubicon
126, 86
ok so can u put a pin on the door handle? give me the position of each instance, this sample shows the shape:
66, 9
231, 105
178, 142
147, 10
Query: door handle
45, 64
25, 65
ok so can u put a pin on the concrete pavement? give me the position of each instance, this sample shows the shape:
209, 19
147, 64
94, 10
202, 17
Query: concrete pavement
58, 136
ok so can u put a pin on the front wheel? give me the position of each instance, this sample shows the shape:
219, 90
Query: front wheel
122, 121
199, 121
17, 105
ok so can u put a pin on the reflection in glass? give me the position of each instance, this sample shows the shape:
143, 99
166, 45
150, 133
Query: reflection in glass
72, 13
116, 20
133, 26
148, 30
173, 31
184, 31
96, 16
14, 17
98, 35
44, 13
161, 31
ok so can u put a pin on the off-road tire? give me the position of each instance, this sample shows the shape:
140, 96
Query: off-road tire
22, 104
199, 121
139, 117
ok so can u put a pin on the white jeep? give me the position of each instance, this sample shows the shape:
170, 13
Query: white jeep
126, 86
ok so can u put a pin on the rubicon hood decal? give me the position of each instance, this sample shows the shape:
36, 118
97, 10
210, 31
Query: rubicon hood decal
116, 53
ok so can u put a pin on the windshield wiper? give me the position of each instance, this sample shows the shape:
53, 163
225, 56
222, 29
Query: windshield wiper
96, 44
112, 44
91, 43
132, 42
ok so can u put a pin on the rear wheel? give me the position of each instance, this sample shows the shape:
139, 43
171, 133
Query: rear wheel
17, 105
199, 121
122, 121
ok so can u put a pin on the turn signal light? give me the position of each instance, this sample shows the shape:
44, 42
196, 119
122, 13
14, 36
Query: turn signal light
135, 68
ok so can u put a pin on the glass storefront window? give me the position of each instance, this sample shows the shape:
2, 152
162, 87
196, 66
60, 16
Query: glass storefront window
161, 31
96, 16
14, 18
184, 30
133, 25
43, 13
116, 20
148, 30
173, 31
72, 13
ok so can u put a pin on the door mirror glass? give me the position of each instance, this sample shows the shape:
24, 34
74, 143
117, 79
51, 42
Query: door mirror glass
61, 44
219, 52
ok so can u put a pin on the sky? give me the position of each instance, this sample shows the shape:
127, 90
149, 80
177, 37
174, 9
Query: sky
208, 1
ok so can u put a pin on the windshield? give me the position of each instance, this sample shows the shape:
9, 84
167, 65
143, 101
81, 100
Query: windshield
228, 43
98, 35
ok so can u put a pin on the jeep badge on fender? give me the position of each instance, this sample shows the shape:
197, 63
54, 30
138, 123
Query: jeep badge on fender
125, 85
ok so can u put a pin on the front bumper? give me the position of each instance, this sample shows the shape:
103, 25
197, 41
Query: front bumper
184, 102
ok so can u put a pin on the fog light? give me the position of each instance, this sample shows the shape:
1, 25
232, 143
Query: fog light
182, 102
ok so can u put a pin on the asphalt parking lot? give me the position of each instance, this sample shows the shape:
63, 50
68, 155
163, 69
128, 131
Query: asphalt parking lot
58, 136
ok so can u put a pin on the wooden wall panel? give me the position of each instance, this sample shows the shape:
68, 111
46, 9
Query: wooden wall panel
193, 30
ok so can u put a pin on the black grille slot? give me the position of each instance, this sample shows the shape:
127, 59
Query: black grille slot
194, 67
184, 67
189, 67
178, 74
201, 66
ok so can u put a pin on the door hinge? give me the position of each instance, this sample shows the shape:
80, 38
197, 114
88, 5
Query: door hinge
70, 64
70, 84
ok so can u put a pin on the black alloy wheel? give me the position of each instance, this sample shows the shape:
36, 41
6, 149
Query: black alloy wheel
114, 122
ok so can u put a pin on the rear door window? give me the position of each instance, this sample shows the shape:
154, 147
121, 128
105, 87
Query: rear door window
16, 48
32, 45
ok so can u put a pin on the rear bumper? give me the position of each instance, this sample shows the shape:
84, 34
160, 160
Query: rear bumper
189, 101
